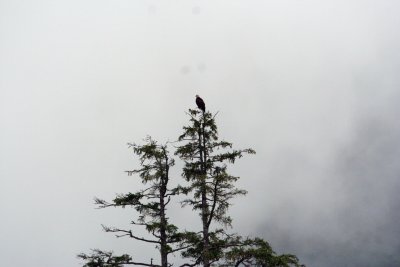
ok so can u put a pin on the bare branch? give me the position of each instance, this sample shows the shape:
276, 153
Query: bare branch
127, 233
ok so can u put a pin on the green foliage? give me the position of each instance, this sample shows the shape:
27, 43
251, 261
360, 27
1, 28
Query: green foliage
154, 160
100, 258
257, 252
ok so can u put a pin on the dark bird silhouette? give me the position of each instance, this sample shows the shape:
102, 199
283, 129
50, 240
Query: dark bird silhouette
200, 103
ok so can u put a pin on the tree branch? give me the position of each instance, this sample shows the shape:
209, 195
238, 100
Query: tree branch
215, 198
128, 233
142, 264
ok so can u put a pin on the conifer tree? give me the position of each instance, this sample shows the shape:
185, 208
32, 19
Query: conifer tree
151, 203
212, 187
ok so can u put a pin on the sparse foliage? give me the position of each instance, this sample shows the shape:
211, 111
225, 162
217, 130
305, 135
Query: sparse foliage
100, 258
151, 203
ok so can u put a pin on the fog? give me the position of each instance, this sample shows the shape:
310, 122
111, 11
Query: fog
312, 86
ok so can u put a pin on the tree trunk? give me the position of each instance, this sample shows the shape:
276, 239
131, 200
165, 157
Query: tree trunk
163, 220
163, 235
204, 203
204, 215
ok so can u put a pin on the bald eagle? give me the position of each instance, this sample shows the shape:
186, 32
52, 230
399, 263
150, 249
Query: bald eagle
200, 103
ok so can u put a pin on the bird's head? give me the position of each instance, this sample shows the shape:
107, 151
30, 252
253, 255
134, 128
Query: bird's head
197, 96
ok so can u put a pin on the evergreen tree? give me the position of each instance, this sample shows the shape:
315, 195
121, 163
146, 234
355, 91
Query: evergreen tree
151, 203
212, 187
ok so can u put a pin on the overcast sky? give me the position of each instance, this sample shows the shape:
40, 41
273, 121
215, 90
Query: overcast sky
312, 86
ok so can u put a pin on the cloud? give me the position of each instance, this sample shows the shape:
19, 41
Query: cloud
346, 213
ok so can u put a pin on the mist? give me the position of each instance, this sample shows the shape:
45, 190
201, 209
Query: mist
312, 86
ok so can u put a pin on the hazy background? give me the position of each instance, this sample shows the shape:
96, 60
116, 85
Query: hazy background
312, 86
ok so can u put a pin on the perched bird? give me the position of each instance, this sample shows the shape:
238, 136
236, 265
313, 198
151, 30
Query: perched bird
200, 103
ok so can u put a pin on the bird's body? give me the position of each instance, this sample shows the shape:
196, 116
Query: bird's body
200, 103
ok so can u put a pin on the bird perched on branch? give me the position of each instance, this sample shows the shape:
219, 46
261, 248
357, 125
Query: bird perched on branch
200, 103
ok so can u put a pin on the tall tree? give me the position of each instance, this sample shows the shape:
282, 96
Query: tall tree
151, 203
212, 187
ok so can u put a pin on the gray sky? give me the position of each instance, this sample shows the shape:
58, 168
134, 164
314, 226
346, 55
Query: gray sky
312, 86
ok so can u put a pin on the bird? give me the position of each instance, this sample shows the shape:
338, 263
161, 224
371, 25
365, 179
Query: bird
200, 103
